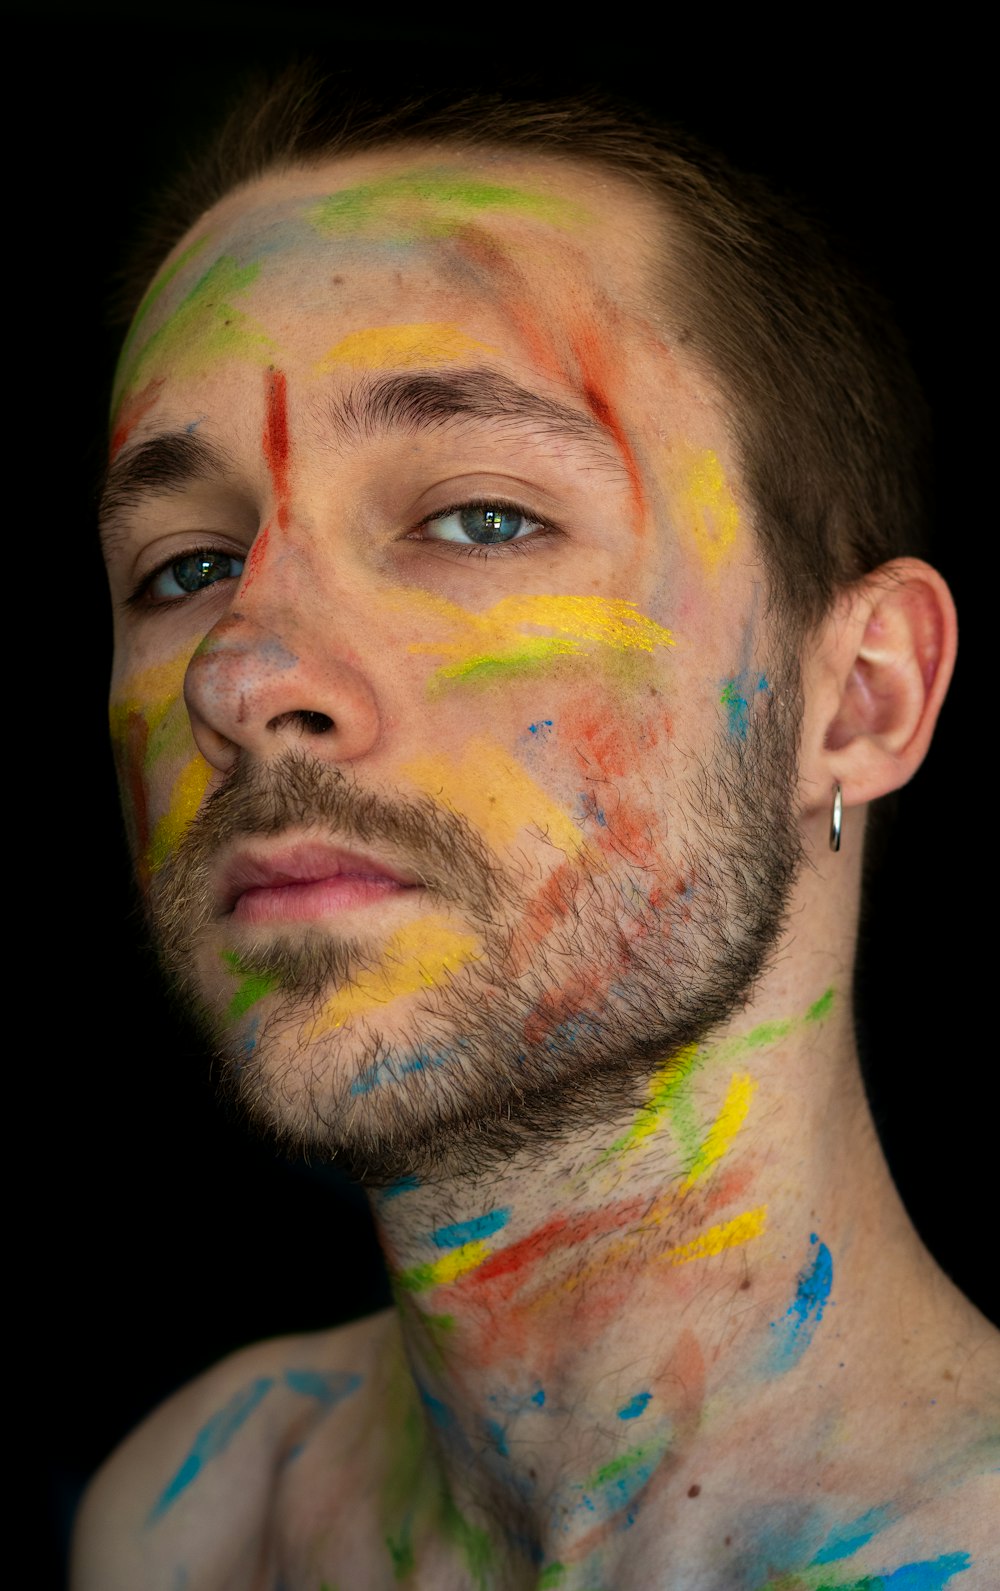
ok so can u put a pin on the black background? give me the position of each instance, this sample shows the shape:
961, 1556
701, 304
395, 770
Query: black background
163, 1237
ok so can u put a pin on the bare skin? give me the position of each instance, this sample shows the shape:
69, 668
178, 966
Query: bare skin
691, 1342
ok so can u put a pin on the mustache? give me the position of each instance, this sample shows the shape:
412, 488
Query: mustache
438, 846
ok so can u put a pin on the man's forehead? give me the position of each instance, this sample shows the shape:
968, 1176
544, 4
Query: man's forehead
418, 214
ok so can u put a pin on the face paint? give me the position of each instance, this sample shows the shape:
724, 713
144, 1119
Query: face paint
149, 723
429, 204
402, 347
483, 646
495, 794
707, 513
204, 328
419, 956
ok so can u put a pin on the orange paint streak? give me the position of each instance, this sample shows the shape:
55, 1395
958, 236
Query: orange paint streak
593, 357
275, 439
255, 560
131, 412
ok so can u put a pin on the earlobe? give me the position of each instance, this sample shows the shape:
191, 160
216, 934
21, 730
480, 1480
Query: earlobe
875, 683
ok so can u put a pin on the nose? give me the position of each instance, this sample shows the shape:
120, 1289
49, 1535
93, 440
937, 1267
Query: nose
246, 690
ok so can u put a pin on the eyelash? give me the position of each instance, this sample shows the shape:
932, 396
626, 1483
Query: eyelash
140, 598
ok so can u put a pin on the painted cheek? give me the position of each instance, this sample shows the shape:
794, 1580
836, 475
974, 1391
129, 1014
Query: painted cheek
162, 777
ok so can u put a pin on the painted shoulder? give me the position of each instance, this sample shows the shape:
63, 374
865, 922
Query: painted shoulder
186, 1499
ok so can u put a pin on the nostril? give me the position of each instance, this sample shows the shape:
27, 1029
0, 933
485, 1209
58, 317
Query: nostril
304, 719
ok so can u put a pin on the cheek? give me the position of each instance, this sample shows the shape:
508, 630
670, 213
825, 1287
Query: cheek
161, 775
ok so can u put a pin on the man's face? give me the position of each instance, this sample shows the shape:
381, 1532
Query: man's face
457, 753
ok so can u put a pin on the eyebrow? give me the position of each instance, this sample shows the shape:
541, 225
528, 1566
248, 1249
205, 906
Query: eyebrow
167, 463
427, 400
373, 408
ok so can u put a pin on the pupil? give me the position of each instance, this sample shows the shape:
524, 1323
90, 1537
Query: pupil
490, 524
201, 569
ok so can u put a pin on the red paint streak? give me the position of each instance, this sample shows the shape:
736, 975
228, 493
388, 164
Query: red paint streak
593, 360
255, 560
275, 439
131, 412
562, 1232
561, 1005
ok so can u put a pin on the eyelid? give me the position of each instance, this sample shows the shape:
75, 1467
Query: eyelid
498, 500
139, 598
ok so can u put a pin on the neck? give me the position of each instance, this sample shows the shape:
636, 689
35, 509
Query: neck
592, 1335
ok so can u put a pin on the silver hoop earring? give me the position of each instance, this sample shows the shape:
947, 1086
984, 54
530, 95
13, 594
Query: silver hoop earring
836, 818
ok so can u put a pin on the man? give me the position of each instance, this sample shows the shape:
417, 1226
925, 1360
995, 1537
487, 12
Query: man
507, 530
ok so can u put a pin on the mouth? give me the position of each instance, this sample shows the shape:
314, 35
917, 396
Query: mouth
305, 882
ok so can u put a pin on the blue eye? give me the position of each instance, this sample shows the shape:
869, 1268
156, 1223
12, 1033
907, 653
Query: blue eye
481, 524
192, 573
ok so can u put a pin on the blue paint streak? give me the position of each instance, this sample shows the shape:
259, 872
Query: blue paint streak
930, 1575
590, 809
394, 1068
212, 1440
328, 1387
538, 1397
498, 1436
635, 1406
845, 1539
439, 1412
404, 1185
798, 1325
737, 694
540, 727
469, 1231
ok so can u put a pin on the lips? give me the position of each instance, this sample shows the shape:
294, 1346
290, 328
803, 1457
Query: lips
304, 882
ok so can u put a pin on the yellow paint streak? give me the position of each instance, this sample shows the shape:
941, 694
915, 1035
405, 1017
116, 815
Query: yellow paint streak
729, 1234
402, 347
418, 957
447, 1269
152, 692
501, 634
185, 798
496, 795
709, 511
724, 1129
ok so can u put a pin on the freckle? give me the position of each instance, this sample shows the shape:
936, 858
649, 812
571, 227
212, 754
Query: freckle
744, 1284
728, 1541
694, 1491
338, 281
949, 1375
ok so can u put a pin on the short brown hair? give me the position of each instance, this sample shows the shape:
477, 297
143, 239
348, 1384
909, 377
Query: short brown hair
827, 416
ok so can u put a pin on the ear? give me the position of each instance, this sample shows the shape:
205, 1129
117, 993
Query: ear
873, 684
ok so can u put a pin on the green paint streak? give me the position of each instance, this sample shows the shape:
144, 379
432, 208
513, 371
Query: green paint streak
428, 204
160, 283
674, 1097
203, 328
254, 987
437, 1329
417, 1279
620, 1466
555, 1574
821, 1008
685, 1124
474, 1544
660, 1103
401, 1552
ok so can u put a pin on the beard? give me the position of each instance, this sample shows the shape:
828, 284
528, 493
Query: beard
590, 975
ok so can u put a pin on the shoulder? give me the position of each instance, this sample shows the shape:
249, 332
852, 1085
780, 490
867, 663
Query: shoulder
187, 1496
